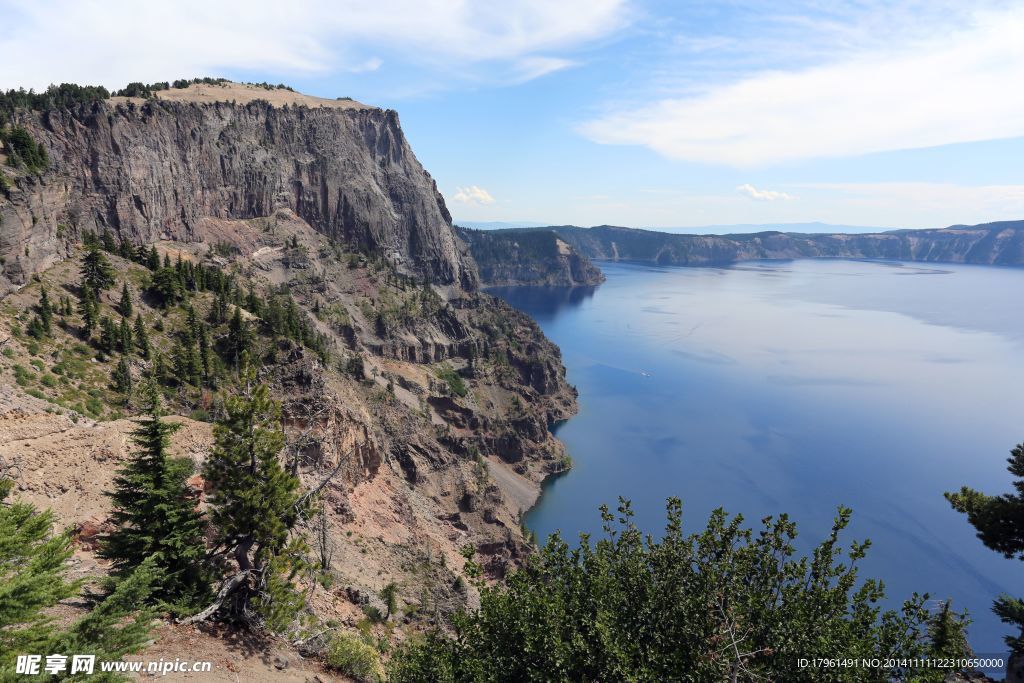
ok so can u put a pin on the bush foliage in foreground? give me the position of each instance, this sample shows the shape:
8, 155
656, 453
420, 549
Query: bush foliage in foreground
722, 604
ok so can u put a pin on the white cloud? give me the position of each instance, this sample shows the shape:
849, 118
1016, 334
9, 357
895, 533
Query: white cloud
473, 195
762, 195
952, 87
371, 64
112, 42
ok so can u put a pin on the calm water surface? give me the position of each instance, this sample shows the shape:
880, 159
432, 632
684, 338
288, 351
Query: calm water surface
796, 387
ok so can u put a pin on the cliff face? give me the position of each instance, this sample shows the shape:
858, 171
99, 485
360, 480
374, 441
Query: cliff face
429, 409
154, 170
528, 257
992, 243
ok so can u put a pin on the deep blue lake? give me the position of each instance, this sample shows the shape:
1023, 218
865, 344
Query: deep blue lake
795, 387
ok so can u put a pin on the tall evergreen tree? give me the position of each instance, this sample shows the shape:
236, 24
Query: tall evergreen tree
256, 504
239, 338
108, 335
88, 308
999, 521
45, 311
155, 515
122, 377
124, 306
141, 336
124, 336
97, 273
153, 259
204, 351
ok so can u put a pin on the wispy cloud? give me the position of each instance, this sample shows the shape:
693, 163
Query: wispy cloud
116, 41
371, 64
762, 195
935, 88
472, 195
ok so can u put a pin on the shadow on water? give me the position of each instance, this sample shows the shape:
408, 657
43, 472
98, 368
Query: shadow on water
543, 303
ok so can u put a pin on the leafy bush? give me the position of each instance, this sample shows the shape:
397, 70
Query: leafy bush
723, 603
349, 655
456, 384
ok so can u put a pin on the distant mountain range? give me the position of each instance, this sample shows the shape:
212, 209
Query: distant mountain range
562, 254
733, 229
990, 243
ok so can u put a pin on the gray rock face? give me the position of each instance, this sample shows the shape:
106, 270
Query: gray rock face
528, 257
155, 170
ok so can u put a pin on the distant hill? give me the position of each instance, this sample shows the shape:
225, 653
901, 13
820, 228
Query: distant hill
814, 227
999, 243
528, 256
500, 225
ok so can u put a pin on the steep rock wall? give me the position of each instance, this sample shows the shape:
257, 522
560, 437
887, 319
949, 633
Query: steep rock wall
155, 170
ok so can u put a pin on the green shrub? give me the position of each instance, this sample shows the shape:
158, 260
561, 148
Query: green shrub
630, 607
22, 375
8, 352
349, 655
94, 407
455, 382
49, 380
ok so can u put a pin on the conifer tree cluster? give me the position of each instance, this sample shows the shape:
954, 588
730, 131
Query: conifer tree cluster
156, 517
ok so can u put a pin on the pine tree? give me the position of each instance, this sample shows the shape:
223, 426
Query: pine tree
88, 308
997, 520
192, 321
153, 259
124, 337
155, 515
124, 307
109, 243
33, 579
141, 336
97, 273
166, 286
159, 371
238, 337
45, 312
108, 335
256, 504
204, 351
122, 377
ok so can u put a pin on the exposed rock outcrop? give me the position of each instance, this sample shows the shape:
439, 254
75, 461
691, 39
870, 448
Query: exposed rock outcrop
155, 169
528, 257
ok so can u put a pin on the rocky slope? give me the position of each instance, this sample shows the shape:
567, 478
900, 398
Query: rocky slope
431, 404
999, 243
154, 169
531, 257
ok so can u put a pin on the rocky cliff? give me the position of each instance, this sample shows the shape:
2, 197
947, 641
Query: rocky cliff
528, 257
423, 399
154, 169
991, 243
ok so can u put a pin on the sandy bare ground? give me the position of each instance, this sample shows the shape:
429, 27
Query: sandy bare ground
518, 489
238, 92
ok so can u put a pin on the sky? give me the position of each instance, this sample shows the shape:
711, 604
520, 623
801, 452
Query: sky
629, 112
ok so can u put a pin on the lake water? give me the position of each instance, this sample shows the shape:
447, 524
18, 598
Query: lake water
795, 387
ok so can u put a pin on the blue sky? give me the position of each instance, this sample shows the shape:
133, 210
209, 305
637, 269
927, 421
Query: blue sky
650, 114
